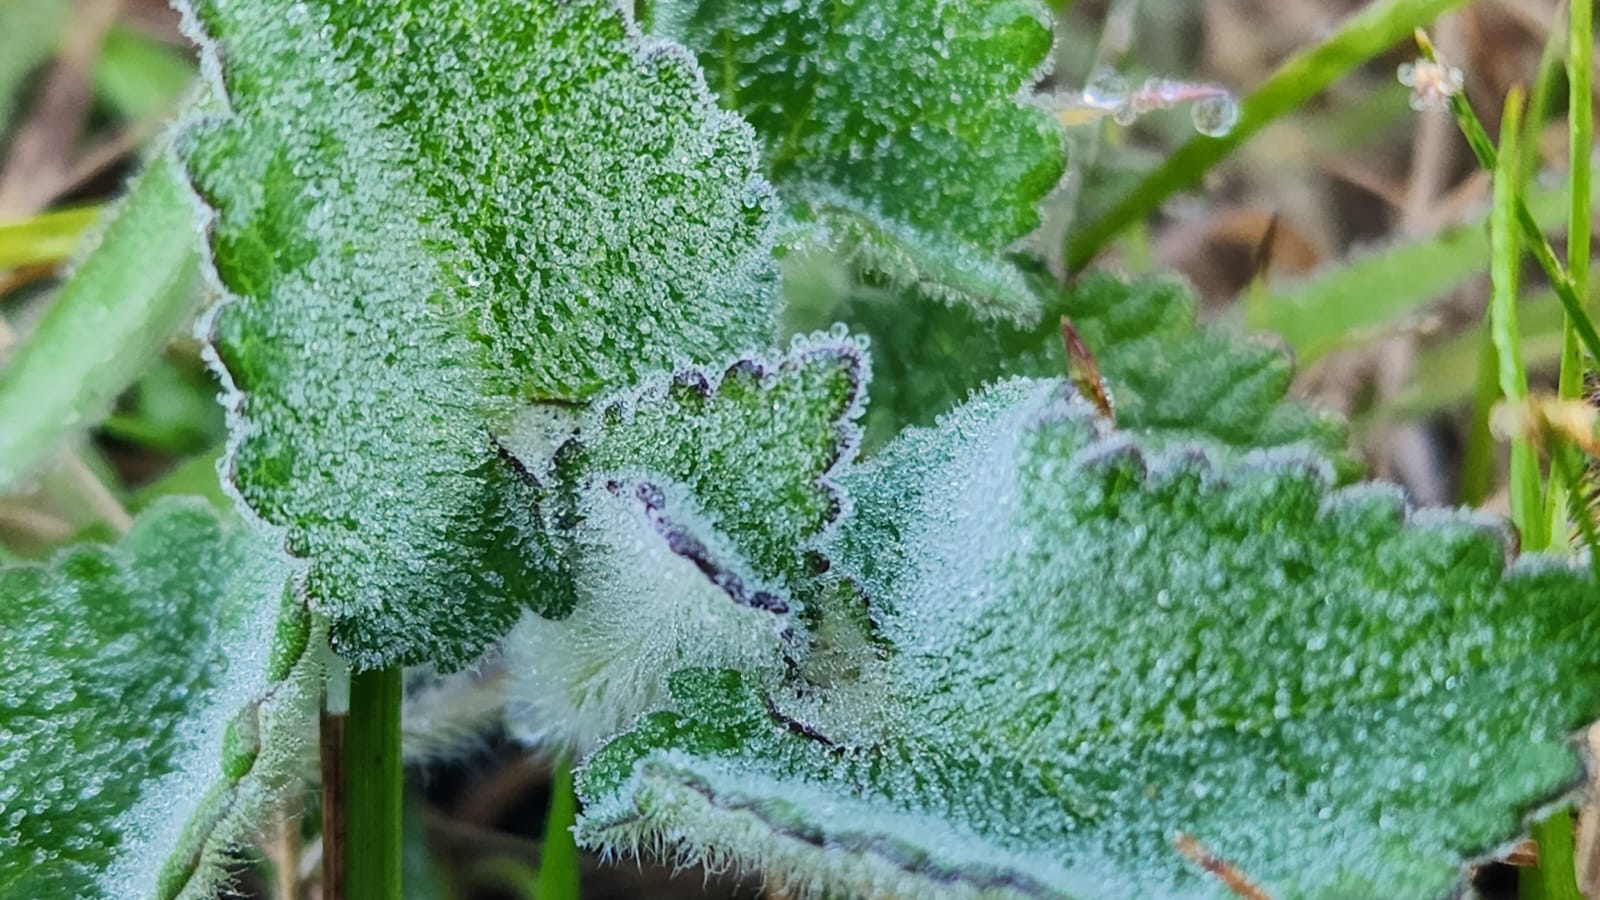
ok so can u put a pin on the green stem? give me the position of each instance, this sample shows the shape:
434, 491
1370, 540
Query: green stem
1364, 35
1552, 878
116, 312
558, 865
1527, 511
1560, 280
1477, 463
1557, 871
373, 786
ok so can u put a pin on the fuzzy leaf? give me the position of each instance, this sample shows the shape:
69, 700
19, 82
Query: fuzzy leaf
1092, 650
866, 105
697, 497
755, 444
428, 213
153, 704
1169, 379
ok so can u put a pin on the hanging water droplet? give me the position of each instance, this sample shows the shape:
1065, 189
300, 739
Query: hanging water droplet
1215, 116
1106, 90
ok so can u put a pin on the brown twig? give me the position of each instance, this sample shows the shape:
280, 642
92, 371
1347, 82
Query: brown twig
1231, 877
334, 833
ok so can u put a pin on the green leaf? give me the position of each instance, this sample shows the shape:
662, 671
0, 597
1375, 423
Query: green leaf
1091, 649
1170, 380
898, 126
694, 499
428, 214
755, 444
155, 701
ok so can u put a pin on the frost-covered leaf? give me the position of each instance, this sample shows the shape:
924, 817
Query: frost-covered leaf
755, 443
658, 590
696, 498
1090, 650
151, 704
1169, 379
899, 126
428, 213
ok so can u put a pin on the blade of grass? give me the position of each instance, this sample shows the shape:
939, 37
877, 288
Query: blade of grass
1477, 460
45, 239
1363, 36
1552, 878
1560, 281
1551, 63
1580, 124
1367, 293
1506, 250
120, 306
1569, 385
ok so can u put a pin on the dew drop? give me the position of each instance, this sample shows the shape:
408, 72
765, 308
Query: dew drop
1106, 90
1215, 116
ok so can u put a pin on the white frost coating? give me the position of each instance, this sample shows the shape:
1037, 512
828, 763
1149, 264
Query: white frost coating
285, 722
643, 612
152, 828
732, 821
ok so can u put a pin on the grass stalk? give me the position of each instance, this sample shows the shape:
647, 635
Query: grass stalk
1558, 868
374, 793
1552, 878
1527, 510
1364, 35
1560, 280
45, 239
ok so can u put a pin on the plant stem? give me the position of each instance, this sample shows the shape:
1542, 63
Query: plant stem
1527, 510
373, 786
334, 832
1560, 281
116, 312
1363, 36
558, 865
1552, 878
1558, 868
